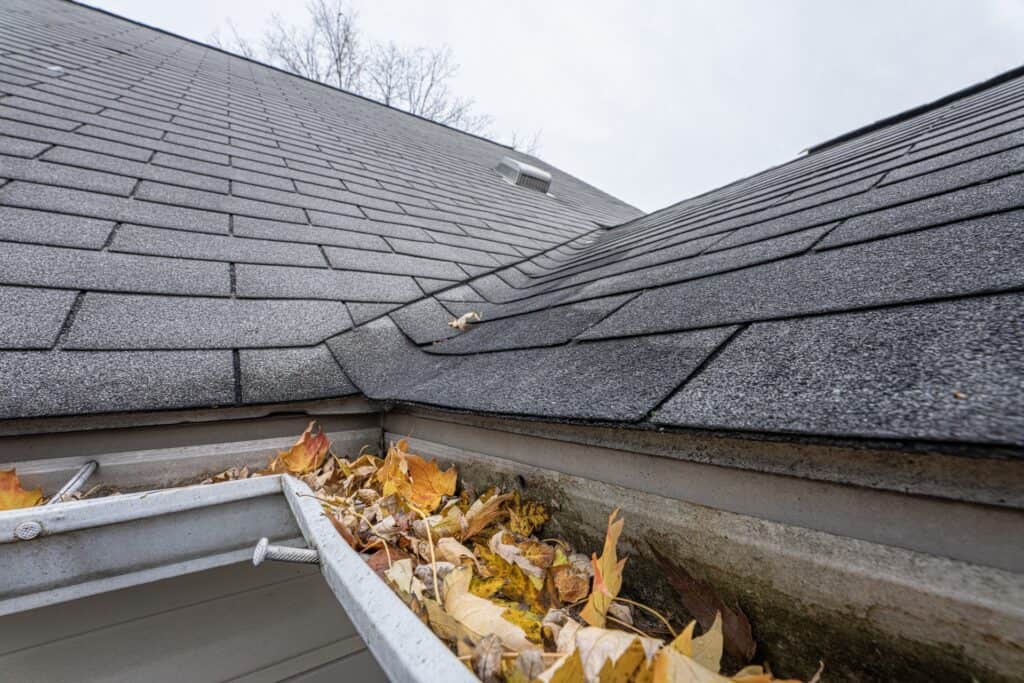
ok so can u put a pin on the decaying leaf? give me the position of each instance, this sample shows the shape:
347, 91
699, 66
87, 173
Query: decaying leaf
479, 614
12, 496
502, 544
524, 517
527, 666
571, 584
487, 659
404, 581
450, 550
483, 513
607, 575
305, 455
700, 600
463, 321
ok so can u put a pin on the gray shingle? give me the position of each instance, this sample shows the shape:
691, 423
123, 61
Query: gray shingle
118, 322
377, 262
39, 266
362, 313
31, 318
886, 373
137, 239
424, 321
21, 148
610, 380
48, 198
76, 383
291, 232
553, 326
963, 258
275, 375
282, 282
981, 199
443, 252
43, 227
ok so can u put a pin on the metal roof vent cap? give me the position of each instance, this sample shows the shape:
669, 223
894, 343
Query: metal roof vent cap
524, 175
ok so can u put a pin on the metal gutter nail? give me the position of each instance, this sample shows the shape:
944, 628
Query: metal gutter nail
282, 553
76, 482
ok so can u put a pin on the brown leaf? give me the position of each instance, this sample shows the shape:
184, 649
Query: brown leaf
486, 659
700, 600
379, 563
482, 514
304, 456
571, 584
607, 575
12, 496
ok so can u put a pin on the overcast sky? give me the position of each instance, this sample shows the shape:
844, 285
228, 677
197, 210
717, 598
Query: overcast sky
657, 101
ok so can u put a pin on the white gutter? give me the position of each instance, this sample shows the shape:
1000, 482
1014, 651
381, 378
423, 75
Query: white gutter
404, 646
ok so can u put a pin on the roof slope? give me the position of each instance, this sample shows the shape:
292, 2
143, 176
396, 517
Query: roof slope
184, 228
181, 227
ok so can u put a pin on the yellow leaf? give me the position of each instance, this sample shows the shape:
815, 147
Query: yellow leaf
12, 496
612, 656
568, 669
415, 481
528, 621
524, 517
707, 648
429, 483
486, 588
516, 584
671, 666
607, 575
479, 614
304, 456
482, 513
684, 641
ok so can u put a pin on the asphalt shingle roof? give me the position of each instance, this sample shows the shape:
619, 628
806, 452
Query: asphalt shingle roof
180, 227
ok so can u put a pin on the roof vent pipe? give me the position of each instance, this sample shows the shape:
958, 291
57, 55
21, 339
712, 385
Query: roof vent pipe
524, 175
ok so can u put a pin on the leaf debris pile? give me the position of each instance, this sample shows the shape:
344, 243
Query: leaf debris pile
13, 496
513, 606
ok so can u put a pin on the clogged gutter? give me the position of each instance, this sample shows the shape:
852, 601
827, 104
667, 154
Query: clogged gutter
476, 567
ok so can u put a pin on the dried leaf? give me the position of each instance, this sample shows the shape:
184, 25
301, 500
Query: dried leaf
670, 666
525, 516
482, 513
516, 584
304, 456
571, 585
12, 496
607, 575
402, 578
382, 560
414, 480
538, 553
479, 614
707, 648
463, 321
527, 666
610, 655
700, 600
450, 550
500, 544
486, 659
568, 669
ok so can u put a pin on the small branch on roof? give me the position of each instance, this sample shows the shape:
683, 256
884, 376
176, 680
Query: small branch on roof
464, 320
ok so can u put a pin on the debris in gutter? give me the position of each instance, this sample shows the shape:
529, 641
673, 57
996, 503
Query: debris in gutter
12, 496
512, 605
463, 322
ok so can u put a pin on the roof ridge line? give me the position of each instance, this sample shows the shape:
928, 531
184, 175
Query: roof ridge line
194, 41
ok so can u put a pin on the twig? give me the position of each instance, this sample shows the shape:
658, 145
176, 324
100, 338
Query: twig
632, 628
649, 610
430, 541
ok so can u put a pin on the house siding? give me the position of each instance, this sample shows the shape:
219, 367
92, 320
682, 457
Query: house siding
237, 623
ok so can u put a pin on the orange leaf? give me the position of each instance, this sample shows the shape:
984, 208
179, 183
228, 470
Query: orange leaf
418, 482
12, 496
305, 455
607, 575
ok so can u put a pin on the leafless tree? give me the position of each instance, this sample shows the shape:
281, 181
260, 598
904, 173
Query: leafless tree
235, 43
416, 80
526, 143
330, 48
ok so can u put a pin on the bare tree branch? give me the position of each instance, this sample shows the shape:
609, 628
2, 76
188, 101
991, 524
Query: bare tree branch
526, 143
236, 43
329, 48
